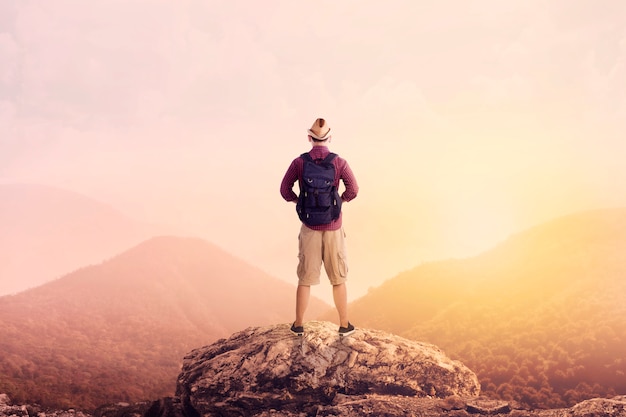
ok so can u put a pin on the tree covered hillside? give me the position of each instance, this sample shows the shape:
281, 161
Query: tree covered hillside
541, 318
119, 331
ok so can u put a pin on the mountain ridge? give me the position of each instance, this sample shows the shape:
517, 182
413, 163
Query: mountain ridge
49, 231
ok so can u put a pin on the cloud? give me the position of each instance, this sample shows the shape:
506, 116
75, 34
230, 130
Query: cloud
122, 64
85, 81
8, 64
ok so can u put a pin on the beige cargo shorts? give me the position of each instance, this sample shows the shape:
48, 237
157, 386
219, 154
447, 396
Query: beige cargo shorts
322, 246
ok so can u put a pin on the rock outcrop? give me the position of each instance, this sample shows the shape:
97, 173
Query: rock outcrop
265, 368
599, 407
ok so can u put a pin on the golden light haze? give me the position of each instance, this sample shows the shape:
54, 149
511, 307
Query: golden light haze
464, 122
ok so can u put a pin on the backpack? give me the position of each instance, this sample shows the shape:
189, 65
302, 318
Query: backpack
319, 202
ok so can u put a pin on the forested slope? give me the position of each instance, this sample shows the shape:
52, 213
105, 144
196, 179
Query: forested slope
541, 318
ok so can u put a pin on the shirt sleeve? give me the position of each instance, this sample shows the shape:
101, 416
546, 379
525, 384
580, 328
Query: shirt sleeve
290, 178
349, 181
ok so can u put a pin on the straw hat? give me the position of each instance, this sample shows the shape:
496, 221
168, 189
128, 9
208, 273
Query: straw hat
320, 130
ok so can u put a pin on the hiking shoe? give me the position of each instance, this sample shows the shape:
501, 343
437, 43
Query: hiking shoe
346, 331
297, 330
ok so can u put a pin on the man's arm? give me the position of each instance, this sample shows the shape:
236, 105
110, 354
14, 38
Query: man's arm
349, 181
286, 186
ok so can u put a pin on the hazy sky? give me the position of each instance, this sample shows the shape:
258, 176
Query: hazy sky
464, 121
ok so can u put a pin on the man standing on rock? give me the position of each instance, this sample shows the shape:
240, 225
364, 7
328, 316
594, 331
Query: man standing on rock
322, 237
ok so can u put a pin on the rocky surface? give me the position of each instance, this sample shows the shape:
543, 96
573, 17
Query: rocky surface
268, 367
351, 406
8, 409
599, 407
267, 371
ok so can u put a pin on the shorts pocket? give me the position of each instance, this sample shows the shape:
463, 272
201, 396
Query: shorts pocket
342, 265
301, 266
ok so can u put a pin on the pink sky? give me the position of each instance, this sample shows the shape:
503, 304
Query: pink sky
464, 121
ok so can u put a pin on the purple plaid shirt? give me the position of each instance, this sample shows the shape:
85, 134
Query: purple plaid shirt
342, 172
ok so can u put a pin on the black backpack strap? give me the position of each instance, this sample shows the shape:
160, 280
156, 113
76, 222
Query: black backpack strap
306, 157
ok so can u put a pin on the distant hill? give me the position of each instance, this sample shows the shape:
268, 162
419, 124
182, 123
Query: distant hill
118, 331
47, 232
541, 318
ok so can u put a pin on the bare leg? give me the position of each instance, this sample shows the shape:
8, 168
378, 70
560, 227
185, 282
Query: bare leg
340, 295
303, 294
